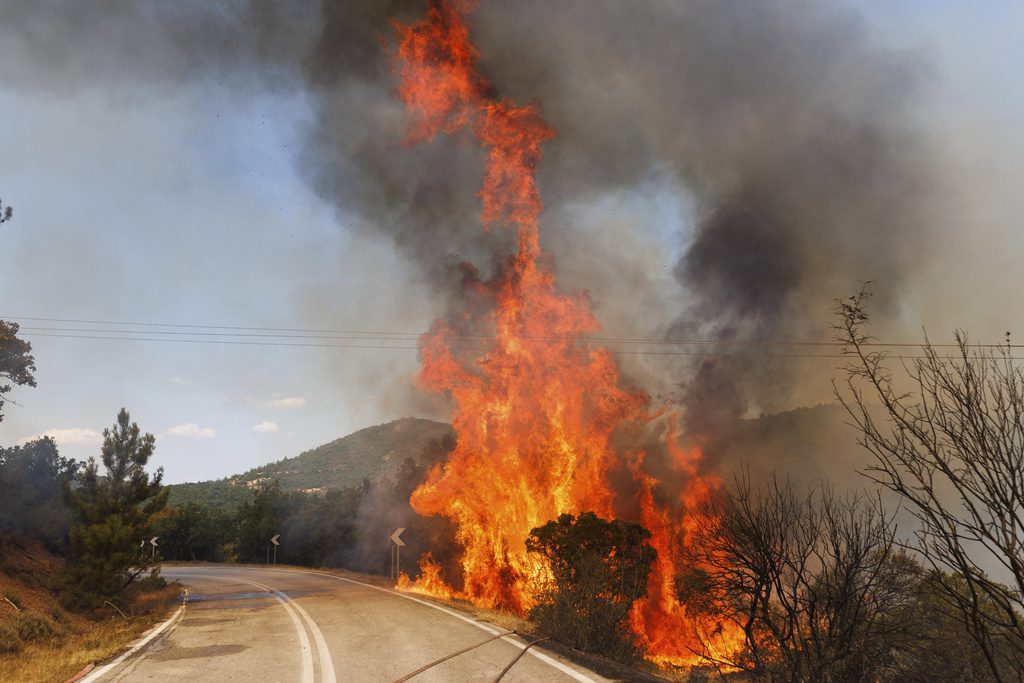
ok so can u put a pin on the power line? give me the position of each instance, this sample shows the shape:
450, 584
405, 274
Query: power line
357, 336
308, 333
204, 327
219, 341
370, 336
235, 342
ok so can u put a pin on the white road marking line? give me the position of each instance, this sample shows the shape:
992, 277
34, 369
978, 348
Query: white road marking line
326, 663
96, 673
307, 653
568, 671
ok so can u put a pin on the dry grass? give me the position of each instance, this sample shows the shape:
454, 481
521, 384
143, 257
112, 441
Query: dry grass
45, 642
82, 642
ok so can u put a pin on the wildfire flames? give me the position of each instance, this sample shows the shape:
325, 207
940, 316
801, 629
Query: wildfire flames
535, 411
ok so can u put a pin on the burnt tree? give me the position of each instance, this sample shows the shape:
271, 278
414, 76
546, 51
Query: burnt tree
811, 580
951, 445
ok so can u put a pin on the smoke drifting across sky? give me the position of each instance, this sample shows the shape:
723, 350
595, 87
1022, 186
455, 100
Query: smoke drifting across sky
782, 136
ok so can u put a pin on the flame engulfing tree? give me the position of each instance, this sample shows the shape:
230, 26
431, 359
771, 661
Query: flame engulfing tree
598, 569
112, 513
811, 580
953, 450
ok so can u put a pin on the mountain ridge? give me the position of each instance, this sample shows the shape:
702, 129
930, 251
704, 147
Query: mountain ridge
807, 444
368, 453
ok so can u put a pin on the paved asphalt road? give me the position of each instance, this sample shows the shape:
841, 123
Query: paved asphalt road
254, 624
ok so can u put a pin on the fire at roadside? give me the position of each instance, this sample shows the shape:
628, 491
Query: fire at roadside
565, 478
579, 492
543, 419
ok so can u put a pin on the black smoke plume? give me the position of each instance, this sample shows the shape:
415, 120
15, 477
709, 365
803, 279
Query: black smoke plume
791, 132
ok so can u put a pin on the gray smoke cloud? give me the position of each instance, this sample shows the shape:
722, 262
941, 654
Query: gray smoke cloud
793, 133
789, 131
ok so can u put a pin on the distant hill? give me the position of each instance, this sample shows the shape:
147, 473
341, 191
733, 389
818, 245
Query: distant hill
367, 454
804, 444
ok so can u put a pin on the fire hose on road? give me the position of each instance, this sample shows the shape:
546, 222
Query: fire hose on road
519, 655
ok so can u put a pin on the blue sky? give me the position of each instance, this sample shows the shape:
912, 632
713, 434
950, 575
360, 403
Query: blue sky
181, 204
195, 216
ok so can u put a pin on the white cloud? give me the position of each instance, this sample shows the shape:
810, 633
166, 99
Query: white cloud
177, 380
266, 427
290, 402
68, 437
190, 430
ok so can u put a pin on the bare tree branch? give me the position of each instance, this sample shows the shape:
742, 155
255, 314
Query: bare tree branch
810, 579
953, 450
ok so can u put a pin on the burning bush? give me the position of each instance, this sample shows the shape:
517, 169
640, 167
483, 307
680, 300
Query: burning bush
598, 569
814, 581
538, 407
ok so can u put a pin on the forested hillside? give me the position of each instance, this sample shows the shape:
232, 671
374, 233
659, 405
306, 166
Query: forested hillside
370, 453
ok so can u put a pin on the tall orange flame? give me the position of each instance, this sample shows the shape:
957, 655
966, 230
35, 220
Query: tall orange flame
537, 410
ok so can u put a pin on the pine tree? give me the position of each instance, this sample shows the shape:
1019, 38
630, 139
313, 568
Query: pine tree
112, 512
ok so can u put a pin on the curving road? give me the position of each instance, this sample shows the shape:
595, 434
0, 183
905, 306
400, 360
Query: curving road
255, 624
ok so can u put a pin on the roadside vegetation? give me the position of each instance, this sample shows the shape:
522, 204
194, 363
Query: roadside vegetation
112, 517
951, 447
42, 640
599, 568
75, 586
821, 590
370, 454
823, 586
347, 527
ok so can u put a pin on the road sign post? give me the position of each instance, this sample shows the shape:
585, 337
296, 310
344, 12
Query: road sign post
397, 543
153, 543
275, 543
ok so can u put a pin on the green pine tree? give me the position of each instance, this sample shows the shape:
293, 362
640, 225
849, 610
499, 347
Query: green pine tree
112, 512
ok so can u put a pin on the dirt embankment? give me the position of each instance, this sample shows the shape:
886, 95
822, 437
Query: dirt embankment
40, 640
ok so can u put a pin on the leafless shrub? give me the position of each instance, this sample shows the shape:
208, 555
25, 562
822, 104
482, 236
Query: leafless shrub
952, 448
812, 580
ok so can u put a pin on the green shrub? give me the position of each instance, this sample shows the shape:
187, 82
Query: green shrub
599, 569
35, 626
32, 579
59, 616
152, 582
10, 642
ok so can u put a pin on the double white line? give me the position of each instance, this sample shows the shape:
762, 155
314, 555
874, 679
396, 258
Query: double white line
298, 616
